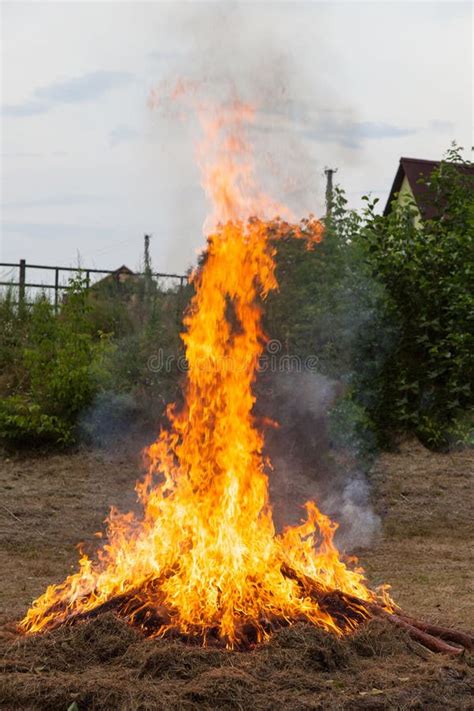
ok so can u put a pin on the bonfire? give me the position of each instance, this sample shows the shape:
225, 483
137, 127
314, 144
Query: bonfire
203, 561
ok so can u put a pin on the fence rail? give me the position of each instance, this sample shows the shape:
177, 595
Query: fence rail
58, 286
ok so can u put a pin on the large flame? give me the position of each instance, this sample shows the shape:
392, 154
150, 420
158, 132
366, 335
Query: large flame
205, 549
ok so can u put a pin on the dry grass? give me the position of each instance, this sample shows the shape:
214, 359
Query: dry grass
48, 505
103, 664
425, 551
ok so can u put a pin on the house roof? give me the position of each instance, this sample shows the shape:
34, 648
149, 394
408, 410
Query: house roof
414, 169
123, 270
114, 276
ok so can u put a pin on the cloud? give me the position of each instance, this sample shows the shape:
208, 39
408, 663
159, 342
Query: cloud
69, 91
351, 134
327, 126
122, 134
28, 108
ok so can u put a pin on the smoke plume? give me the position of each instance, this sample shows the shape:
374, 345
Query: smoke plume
306, 466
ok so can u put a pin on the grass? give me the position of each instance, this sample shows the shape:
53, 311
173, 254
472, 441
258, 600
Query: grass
103, 664
51, 503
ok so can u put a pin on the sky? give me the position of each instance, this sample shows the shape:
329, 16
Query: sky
88, 167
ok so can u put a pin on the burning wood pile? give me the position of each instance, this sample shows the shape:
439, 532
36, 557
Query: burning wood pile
204, 562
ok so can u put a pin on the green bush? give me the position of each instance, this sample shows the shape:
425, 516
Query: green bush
59, 369
56, 366
22, 422
327, 298
387, 307
426, 270
14, 324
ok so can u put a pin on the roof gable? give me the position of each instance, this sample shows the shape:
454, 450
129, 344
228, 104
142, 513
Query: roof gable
414, 169
123, 270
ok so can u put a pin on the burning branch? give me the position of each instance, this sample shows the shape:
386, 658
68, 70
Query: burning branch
430, 636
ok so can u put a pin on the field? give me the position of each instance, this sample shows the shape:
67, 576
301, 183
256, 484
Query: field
50, 503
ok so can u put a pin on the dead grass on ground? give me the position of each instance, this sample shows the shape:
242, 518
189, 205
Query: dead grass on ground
104, 664
50, 503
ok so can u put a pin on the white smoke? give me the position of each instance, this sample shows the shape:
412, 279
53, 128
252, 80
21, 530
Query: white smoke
306, 466
245, 51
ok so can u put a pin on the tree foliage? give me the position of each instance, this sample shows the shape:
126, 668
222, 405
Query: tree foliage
59, 362
386, 305
426, 270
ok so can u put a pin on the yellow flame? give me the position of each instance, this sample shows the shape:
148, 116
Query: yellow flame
205, 548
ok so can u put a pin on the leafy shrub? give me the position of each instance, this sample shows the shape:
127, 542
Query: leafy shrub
326, 299
425, 269
23, 422
60, 362
55, 366
14, 324
386, 304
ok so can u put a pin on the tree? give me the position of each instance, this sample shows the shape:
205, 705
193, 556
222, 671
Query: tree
425, 383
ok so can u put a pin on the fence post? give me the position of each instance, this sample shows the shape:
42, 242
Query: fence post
22, 280
56, 289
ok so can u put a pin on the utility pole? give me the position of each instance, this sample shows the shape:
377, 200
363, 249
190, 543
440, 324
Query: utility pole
147, 266
329, 172
147, 260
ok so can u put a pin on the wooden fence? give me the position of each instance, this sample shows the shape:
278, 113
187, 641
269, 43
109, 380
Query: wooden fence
23, 284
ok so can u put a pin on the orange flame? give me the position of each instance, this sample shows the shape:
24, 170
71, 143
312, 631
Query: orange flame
227, 166
206, 548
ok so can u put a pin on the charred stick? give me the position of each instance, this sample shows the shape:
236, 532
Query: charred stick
427, 640
431, 636
446, 633
318, 593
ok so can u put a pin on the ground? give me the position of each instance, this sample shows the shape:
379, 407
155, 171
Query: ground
50, 503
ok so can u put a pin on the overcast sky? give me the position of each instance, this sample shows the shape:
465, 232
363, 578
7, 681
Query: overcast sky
88, 167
